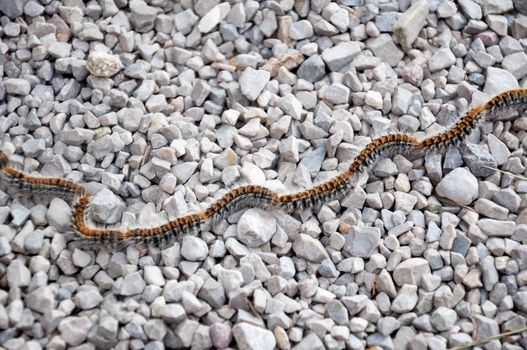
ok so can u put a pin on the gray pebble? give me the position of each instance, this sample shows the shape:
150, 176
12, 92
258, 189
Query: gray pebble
300, 30
5, 247
213, 293
339, 56
194, 249
255, 227
291, 106
312, 69
443, 319
411, 22
411, 271
19, 214
74, 330
499, 80
17, 86
384, 48
173, 313
459, 186
485, 327
309, 248
18, 275
252, 82
106, 207
81, 258
59, 214
479, 160
221, 335
33, 242
142, 16
88, 298
249, 336
132, 284
362, 241
406, 299
442, 58
337, 94
41, 300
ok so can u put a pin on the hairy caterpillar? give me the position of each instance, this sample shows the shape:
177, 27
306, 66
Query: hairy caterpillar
249, 196
36, 185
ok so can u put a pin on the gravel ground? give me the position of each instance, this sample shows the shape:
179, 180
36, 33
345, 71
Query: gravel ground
161, 107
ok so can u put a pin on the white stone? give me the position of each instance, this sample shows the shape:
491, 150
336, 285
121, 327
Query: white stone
459, 186
214, 17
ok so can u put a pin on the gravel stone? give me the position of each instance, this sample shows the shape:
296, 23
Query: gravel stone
33, 242
255, 227
213, 17
142, 16
485, 327
74, 330
479, 160
132, 284
411, 271
497, 228
300, 30
212, 292
362, 241
291, 106
18, 275
411, 22
58, 214
17, 86
520, 6
374, 99
489, 272
88, 299
520, 301
498, 80
339, 56
249, 336
337, 312
252, 82
33, 9
442, 58
107, 207
194, 249
313, 69
443, 319
384, 48
459, 186
406, 299
41, 300
337, 94
5, 247
309, 248
102, 64
12, 8
498, 149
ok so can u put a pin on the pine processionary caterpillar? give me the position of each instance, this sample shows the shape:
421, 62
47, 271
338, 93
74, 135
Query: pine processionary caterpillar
249, 196
488, 111
36, 185
340, 186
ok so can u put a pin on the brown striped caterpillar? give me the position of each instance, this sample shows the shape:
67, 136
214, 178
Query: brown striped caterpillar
249, 196
36, 185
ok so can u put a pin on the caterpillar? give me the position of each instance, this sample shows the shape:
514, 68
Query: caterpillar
36, 185
250, 196
489, 111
